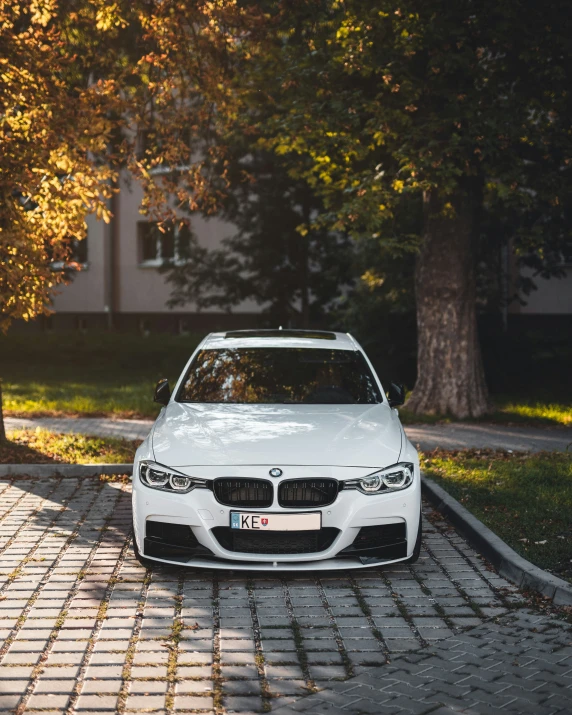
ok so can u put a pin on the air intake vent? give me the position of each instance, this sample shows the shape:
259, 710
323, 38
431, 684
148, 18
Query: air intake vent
383, 535
244, 492
307, 492
275, 542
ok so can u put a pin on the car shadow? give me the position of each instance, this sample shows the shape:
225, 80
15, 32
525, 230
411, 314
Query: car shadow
78, 496
76, 493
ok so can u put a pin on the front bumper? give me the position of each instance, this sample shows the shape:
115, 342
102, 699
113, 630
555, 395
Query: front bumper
344, 520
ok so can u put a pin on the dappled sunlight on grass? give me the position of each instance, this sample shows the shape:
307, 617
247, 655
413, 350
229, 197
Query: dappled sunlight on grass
506, 410
93, 374
542, 412
62, 397
525, 498
40, 446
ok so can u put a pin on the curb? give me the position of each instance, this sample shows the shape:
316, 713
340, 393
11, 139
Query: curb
509, 564
63, 470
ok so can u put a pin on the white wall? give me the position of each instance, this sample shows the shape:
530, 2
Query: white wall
86, 293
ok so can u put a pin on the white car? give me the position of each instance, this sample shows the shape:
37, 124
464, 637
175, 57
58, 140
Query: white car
277, 450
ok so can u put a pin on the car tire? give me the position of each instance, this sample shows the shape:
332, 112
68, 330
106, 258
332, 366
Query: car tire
417, 548
142, 560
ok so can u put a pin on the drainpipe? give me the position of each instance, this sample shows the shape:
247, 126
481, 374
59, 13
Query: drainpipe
113, 277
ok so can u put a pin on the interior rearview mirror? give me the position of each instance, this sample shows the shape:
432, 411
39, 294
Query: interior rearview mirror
395, 394
162, 392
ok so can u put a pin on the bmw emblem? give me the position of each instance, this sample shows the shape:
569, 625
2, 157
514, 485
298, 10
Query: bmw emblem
275, 472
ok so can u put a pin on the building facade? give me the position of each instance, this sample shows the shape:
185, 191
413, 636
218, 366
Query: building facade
120, 285
122, 288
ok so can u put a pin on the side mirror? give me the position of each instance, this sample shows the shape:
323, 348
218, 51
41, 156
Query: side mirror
395, 394
162, 392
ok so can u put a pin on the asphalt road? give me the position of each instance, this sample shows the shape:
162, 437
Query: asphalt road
428, 437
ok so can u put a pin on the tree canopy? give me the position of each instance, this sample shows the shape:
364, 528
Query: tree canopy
50, 134
462, 109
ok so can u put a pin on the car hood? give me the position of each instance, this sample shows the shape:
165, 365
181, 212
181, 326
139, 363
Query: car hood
341, 435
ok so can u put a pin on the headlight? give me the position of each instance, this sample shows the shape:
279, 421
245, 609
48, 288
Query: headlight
391, 479
157, 476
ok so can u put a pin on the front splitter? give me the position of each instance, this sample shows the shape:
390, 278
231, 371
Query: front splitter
323, 565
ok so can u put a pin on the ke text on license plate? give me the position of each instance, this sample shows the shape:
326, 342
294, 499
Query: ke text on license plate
311, 521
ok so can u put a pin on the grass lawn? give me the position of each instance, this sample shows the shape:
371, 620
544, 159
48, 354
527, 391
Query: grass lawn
43, 447
90, 375
99, 374
524, 498
544, 411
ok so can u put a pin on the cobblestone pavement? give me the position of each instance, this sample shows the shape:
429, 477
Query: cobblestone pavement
86, 629
521, 665
427, 437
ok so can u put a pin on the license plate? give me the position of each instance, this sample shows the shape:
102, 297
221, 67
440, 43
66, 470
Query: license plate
276, 522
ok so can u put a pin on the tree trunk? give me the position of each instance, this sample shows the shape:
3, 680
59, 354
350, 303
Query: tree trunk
2, 429
450, 376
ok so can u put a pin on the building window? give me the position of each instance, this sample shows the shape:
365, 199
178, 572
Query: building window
157, 247
76, 259
78, 251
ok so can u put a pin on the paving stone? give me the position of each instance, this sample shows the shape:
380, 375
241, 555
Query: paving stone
228, 657
272, 633
195, 658
276, 644
47, 700
148, 671
104, 658
51, 685
13, 687
288, 687
20, 658
197, 685
283, 671
146, 657
241, 687
15, 673
95, 687
236, 645
96, 702
241, 704
327, 671
203, 646
239, 671
193, 702
145, 702
324, 657
27, 646
68, 646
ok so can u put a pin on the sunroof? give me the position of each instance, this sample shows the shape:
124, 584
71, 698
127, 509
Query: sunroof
311, 334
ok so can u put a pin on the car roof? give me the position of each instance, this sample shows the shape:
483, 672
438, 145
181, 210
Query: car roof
287, 338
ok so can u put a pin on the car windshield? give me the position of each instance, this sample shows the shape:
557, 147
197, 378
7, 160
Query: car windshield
279, 375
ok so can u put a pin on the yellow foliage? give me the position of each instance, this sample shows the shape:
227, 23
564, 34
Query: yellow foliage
109, 16
47, 178
371, 280
448, 210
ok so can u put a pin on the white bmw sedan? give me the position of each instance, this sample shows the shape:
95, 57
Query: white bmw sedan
277, 450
